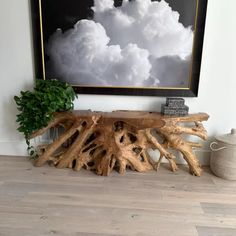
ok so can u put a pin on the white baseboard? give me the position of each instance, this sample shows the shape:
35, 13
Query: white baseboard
13, 148
202, 155
18, 148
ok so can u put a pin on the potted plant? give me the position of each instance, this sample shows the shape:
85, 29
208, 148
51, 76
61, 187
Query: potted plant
38, 106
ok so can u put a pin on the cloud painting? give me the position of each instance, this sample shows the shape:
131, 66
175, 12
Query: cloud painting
139, 43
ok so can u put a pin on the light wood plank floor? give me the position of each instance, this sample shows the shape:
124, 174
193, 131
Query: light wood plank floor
46, 201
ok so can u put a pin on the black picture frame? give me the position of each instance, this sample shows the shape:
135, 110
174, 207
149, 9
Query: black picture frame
38, 30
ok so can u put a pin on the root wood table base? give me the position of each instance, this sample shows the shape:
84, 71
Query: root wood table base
102, 141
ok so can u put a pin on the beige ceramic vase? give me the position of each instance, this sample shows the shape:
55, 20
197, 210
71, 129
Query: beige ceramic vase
223, 156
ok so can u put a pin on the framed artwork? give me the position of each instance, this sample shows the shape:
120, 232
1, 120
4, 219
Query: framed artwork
122, 47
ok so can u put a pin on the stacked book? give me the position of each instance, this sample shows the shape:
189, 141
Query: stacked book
174, 107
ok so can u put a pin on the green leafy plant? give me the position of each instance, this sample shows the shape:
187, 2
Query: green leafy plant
37, 107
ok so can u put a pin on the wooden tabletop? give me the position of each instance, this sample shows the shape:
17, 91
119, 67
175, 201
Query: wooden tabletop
140, 119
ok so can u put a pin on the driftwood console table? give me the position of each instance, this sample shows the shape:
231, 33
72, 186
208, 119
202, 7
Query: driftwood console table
102, 141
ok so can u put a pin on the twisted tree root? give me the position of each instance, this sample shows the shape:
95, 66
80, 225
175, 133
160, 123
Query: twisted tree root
103, 141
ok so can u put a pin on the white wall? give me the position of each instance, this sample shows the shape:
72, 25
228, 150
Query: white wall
217, 93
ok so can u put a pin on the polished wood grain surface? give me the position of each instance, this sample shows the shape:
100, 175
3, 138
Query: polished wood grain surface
47, 201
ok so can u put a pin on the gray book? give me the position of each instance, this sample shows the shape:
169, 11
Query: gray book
175, 102
174, 111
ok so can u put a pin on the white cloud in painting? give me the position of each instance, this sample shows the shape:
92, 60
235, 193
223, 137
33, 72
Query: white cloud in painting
83, 53
151, 25
141, 43
172, 71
